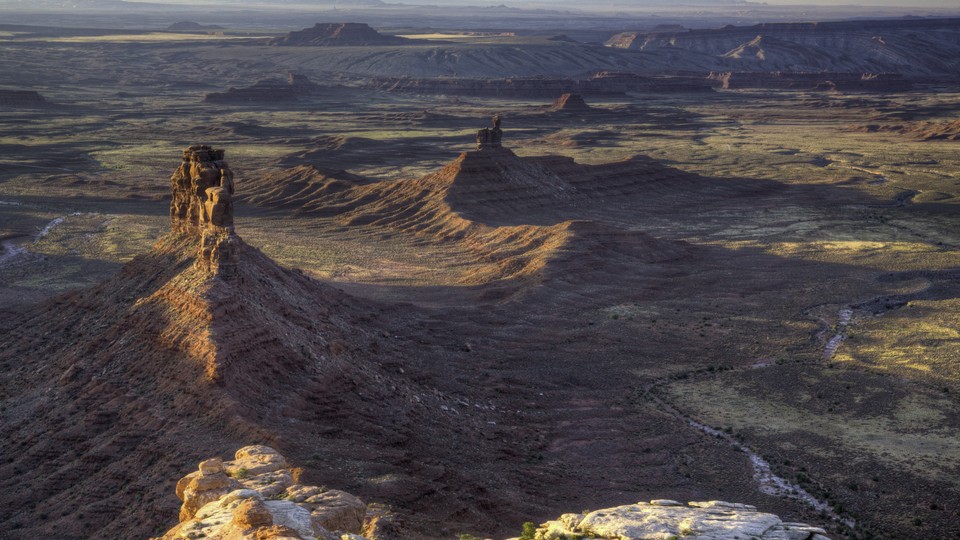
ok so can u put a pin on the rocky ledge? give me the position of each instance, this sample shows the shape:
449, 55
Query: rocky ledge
257, 496
665, 520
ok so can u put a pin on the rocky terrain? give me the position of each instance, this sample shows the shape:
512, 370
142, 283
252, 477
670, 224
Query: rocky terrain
723, 295
257, 496
338, 35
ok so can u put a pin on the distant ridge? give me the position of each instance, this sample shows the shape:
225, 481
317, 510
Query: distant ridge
338, 35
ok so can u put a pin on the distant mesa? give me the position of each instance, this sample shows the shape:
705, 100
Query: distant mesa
563, 38
570, 103
22, 98
338, 35
272, 90
190, 26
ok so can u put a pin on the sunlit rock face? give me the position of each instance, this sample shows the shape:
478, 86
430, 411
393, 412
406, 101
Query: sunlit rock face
714, 520
257, 496
202, 204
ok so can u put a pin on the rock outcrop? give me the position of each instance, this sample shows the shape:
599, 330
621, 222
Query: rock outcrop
665, 519
257, 496
490, 138
202, 204
272, 90
338, 35
190, 26
570, 102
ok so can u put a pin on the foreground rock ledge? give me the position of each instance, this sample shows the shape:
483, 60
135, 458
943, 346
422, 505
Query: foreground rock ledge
257, 497
666, 520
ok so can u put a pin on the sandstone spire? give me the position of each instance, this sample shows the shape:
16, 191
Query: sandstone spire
490, 138
202, 204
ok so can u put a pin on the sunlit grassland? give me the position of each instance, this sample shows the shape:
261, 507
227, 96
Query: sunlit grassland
913, 431
918, 341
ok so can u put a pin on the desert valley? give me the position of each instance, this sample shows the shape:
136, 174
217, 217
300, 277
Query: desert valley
393, 272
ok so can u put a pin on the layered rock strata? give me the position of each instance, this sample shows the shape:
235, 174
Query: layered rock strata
202, 204
257, 496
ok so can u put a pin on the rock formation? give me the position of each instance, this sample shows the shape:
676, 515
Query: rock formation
272, 90
570, 102
257, 496
202, 204
490, 137
338, 35
190, 26
664, 519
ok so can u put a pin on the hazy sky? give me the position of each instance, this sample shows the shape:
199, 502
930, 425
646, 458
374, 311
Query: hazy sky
579, 5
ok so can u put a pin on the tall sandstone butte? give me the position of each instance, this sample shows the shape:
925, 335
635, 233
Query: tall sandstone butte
202, 204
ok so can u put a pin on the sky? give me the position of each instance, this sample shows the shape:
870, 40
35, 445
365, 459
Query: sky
579, 5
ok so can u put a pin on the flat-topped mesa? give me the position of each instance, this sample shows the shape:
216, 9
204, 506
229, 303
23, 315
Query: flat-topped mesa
202, 204
488, 138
